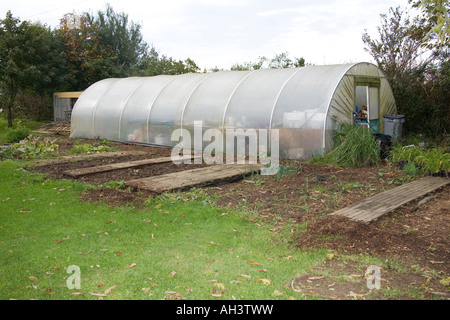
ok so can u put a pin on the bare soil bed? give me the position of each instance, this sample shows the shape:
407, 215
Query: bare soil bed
301, 200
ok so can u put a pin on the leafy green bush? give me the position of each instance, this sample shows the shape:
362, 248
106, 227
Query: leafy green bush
18, 133
355, 147
30, 148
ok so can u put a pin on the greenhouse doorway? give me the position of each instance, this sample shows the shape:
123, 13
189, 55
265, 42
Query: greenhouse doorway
367, 102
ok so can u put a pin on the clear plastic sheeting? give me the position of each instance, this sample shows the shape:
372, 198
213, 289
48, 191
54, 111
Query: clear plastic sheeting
304, 104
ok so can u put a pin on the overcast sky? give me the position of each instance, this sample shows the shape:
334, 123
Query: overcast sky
223, 32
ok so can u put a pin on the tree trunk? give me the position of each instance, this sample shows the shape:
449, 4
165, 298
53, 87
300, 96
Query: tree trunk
10, 119
9, 108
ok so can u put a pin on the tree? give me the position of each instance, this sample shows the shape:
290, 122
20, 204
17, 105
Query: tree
120, 43
81, 47
399, 50
28, 60
437, 17
154, 64
101, 46
109, 45
417, 69
279, 61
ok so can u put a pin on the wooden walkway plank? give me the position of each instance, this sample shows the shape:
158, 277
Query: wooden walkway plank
380, 204
121, 165
194, 178
66, 159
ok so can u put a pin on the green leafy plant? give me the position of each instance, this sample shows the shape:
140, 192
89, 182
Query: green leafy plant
417, 160
30, 148
114, 185
411, 169
18, 133
86, 148
434, 160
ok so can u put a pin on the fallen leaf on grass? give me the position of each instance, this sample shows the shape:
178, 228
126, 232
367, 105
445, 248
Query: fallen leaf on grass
107, 291
110, 222
63, 239
86, 252
254, 263
76, 293
97, 294
356, 296
265, 281
215, 295
32, 278
244, 276
131, 265
314, 278
263, 270
218, 287
118, 253
173, 273
277, 293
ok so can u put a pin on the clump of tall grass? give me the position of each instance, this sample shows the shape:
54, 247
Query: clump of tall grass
355, 146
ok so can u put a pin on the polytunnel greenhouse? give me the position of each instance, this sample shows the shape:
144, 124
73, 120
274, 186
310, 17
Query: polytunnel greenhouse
305, 104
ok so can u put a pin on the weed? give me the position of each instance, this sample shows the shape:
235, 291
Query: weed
258, 182
411, 169
114, 185
355, 146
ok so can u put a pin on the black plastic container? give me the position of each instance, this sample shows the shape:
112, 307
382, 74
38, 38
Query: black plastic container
385, 143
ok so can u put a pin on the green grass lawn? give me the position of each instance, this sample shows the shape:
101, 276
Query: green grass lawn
173, 247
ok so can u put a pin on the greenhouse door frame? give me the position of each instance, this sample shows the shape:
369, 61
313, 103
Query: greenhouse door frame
372, 101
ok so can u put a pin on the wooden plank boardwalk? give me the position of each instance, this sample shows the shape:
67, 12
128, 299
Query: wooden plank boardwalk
194, 178
65, 159
374, 207
121, 165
